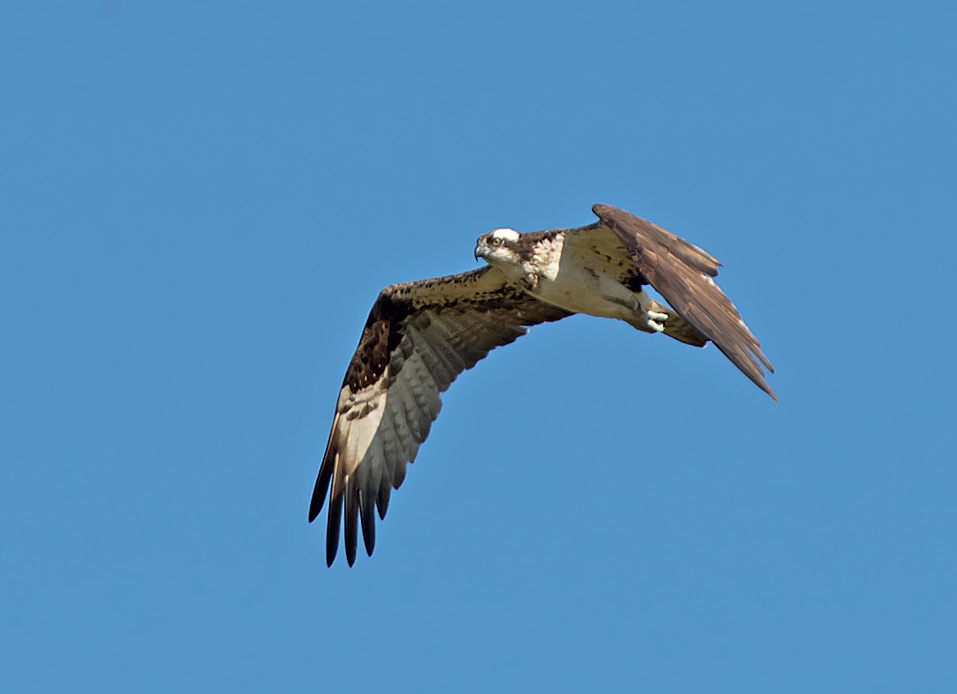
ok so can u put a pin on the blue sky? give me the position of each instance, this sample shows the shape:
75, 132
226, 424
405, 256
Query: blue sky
199, 203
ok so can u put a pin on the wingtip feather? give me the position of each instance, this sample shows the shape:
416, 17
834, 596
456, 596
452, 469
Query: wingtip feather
326, 468
351, 521
332, 529
318, 498
367, 520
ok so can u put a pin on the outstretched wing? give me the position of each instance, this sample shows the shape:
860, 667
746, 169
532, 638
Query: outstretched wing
419, 337
681, 273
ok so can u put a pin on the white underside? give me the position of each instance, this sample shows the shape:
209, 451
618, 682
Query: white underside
585, 291
582, 289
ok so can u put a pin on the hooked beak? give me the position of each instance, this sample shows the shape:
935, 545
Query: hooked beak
478, 254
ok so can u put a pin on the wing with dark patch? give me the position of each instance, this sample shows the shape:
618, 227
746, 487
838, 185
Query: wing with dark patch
682, 273
418, 338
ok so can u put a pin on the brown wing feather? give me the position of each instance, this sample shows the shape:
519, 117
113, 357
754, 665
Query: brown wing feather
418, 338
681, 272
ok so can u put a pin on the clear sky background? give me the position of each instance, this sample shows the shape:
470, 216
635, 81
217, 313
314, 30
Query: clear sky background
199, 203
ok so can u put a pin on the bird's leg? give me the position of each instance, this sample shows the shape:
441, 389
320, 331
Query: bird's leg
654, 319
635, 308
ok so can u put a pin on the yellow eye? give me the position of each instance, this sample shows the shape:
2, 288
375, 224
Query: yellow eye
496, 242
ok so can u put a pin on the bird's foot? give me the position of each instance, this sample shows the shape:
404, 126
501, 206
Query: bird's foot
654, 319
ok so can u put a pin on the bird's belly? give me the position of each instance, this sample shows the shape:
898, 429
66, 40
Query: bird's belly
588, 292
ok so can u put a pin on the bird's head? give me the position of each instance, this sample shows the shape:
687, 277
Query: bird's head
498, 247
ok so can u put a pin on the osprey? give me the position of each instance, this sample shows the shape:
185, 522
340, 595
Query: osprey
421, 335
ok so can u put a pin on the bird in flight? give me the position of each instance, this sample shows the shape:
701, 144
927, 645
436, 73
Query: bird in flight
421, 335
